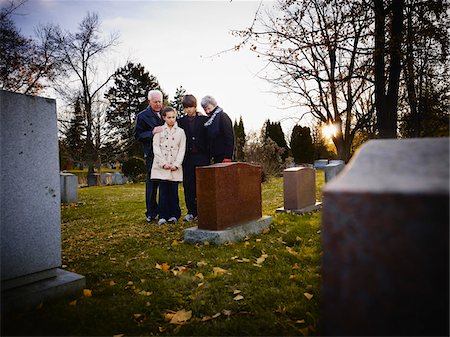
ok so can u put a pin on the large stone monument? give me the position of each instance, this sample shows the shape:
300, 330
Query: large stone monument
385, 240
229, 203
30, 204
299, 187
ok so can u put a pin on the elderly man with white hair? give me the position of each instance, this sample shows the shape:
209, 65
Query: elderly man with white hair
148, 123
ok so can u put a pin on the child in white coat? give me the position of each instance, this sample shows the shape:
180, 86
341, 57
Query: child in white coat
169, 147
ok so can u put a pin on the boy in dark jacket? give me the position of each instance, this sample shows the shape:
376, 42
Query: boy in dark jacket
196, 152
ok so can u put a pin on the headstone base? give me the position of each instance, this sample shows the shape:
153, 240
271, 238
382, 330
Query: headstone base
65, 284
304, 210
232, 234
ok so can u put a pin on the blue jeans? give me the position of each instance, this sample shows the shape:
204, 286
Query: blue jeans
169, 203
151, 189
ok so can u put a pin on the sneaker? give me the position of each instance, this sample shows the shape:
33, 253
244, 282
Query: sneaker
173, 220
162, 221
150, 218
188, 218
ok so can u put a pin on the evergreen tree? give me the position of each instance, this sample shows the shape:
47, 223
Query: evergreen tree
176, 103
239, 134
275, 132
302, 146
127, 97
75, 138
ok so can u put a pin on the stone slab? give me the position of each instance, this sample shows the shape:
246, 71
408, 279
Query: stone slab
64, 284
228, 194
385, 240
320, 163
299, 187
30, 185
69, 187
332, 170
313, 208
196, 235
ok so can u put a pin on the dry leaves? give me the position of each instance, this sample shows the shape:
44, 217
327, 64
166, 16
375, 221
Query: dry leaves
218, 271
87, 292
308, 295
178, 317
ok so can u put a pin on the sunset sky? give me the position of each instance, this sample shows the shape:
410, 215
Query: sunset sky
174, 41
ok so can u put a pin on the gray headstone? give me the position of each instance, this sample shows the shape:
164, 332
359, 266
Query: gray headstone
69, 187
29, 191
117, 178
107, 178
332, 170
385, 240
320, 164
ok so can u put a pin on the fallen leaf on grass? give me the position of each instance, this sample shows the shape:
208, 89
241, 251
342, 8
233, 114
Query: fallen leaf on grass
200, 276
236, 292
291, 251
238, 298
163, 267
295, 266
300, 321
181, 317
218, 271
226, 312
281, 309
200, 284
202, 263
119, 335
292, 277
112, 283
308, 295
261, 259
73, 303
87, 292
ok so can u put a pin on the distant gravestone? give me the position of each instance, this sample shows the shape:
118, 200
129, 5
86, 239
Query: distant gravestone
333, 169
69, 187
385, 240
107, 178
228, 196
117, 178
320, 163
299, 187
30, 204
94, 179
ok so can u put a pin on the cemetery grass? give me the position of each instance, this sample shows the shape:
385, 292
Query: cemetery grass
138, 275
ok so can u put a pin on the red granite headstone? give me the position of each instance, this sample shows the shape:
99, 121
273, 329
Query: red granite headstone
228, 194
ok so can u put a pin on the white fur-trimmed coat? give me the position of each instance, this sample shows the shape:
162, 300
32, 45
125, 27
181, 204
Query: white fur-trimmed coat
169, 147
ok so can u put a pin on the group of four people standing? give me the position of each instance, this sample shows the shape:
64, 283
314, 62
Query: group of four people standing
173, 148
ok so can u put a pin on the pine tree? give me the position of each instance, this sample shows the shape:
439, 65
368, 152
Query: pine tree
176, 103
127, 97
302, 146
75, 142
275, 132
239, 134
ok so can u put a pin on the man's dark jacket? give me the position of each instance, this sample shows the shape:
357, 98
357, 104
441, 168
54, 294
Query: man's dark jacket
146, 121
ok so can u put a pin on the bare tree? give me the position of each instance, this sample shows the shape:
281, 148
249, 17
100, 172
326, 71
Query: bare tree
26, 64
319, 50
80, 53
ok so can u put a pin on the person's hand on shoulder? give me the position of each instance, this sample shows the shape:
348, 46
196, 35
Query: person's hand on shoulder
157, 129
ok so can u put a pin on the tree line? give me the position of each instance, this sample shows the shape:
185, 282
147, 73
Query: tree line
370, 68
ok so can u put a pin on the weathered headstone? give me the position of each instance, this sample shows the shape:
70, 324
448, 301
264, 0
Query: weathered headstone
94, 179
30, 204
385, 240
299, 186
228, 196
332, 170
69, 187
320, 163
107, 178
117, 178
